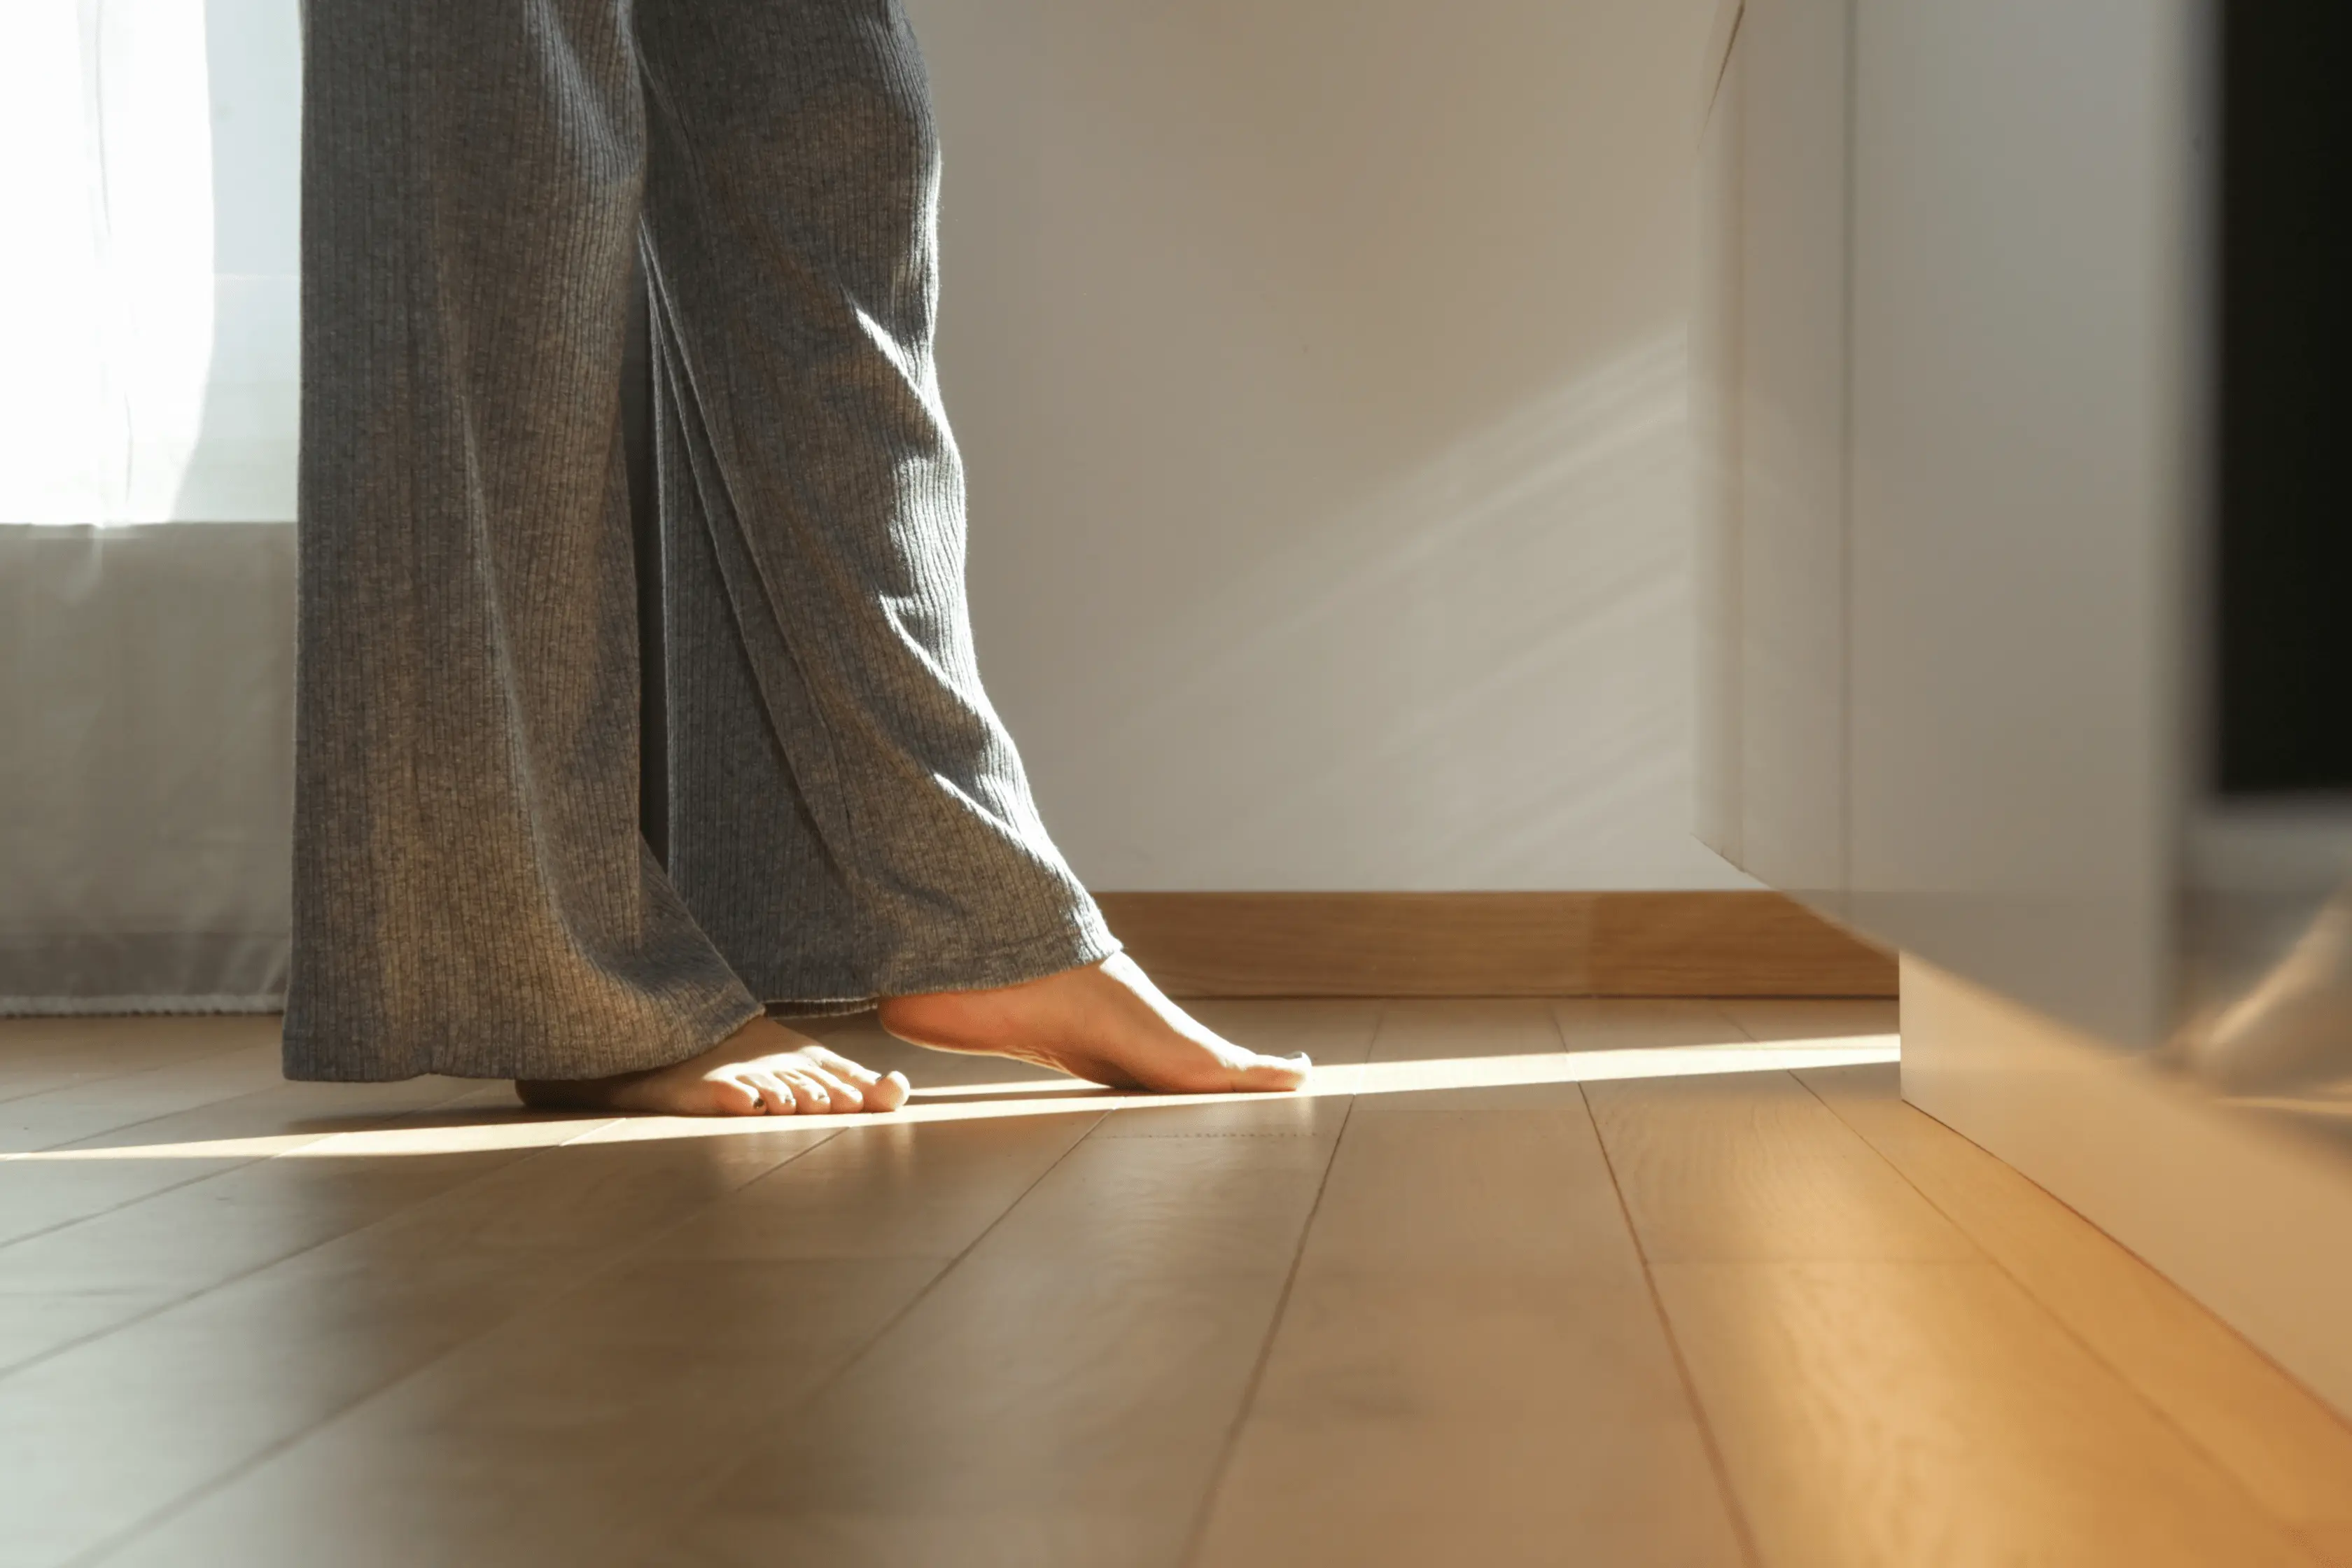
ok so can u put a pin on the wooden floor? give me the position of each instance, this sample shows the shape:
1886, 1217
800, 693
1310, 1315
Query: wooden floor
1606, 1283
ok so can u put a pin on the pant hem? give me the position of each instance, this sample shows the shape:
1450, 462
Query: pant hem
1049, 952
306, 1062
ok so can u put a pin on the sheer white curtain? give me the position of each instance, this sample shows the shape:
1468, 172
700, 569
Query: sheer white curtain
148, 364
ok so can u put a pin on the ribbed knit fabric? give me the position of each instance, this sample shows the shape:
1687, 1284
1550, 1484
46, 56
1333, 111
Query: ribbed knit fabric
848, 820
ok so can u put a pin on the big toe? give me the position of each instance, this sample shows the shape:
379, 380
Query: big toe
1274, 1074
878, 1091
887, 1093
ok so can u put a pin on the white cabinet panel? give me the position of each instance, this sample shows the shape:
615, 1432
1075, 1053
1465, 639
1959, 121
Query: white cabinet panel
2021, 359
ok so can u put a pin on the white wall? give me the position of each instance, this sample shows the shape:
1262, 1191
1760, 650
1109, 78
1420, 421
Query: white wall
1320, 367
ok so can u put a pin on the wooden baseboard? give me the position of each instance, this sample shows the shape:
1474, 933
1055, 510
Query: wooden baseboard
1494, 945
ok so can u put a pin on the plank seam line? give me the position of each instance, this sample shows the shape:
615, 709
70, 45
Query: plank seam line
1196, 1537
2291, 1530
100, 1076
13, 1368
128, 1534
712, 1484
1733, 1508
245, 1164
263, 1086
1302, 1137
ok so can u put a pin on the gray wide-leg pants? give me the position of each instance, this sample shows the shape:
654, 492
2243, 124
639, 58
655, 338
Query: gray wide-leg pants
848, 818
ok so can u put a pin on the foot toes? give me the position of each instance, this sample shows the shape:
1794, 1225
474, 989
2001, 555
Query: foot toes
876, 1091
841, 1098
807, 1096
774, 1097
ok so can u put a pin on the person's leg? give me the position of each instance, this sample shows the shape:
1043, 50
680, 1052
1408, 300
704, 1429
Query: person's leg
849, 820
471, 891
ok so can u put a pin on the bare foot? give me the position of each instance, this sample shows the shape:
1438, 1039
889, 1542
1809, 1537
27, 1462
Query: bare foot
761, 1069
1107, 1023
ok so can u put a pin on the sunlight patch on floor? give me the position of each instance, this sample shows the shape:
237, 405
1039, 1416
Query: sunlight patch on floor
973, 1101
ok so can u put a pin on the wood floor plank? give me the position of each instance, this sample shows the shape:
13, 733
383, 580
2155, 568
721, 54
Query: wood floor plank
2289, 1450
1449, 1048
63, 1184
80, 1110
99, 1437
873, 1214
1808, 1017
554, 1439
1467, 1029
929, 1191
1469, 1367
1514, 1196
2332, 1544
37, 1055
1933, 1414
1491, 1487
67, 1284
1752, 1166
62, 1286
560, 1436
1612, 1024
1317, 1116
1101, 1336
894, 1190
1467, 1055
1402, 1320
